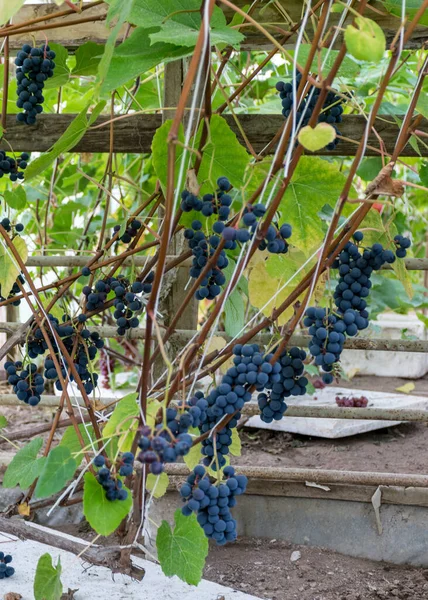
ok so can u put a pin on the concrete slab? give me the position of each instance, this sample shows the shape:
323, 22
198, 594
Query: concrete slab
338, 428
97, 582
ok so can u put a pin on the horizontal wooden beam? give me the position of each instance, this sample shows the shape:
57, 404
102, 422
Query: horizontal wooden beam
269, 15
135, 133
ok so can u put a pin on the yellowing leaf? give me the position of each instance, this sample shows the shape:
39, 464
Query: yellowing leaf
216, 343
316, 138
406, 388
158, 483
366, 41
24, 509
9, 268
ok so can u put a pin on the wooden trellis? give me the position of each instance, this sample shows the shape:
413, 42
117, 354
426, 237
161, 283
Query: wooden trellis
134, 134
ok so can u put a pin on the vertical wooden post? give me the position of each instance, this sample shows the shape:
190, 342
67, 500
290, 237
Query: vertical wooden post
173, 81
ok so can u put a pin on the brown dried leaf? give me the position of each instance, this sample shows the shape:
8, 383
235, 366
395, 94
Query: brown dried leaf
24, 509
69, 595
390, 187
12, 596
192, 182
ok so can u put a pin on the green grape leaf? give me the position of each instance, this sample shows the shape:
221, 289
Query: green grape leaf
158, 483
59, 468
3, 421
16, 198
88, 58
180, 21
25, 467
61, 72
395, 7
122, 424
47, 582
314, 183
234, 313
104, 516
423, 173
183, 551
235, 447
314, 139
348, 69
8, 9
366, 41
9, 268
138, 55
71, 441
71, 136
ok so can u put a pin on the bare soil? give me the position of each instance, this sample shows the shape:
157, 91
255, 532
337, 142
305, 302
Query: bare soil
264, 568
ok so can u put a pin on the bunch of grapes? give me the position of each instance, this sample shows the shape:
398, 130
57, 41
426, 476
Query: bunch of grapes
5, 570
289, 382
159, 446
217, 203
354, 282
192, 414
114, 487
127, 302
212, 503
28, 385
275, 239
402, 244
130, 232
352, 402
8, 226
10, 166
328, 336
35, 66
203, 249
331, 111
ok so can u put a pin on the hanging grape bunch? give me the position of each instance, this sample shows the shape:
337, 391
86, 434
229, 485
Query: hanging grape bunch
331, 112
5, 569
27, 384
35, 66
112, 485
13, 167
329, 328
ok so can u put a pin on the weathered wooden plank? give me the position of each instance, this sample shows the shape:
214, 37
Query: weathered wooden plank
268, 14
135, 133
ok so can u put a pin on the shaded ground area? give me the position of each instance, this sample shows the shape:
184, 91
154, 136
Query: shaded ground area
264, 568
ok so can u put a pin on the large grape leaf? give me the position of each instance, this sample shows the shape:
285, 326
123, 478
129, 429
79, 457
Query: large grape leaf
25, 467
223, 156
411, 7
71, 441
182, 552
47, 582
8, 9
88, 58
137, 55
59, 468
103, 515
179, 26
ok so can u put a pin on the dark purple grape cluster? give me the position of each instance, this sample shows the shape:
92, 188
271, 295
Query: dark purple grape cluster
13, 167
128, 301
113, 486
217, 203
130, 232
8, 226
354, 283
212, 503
203, 249
159, 447
402, 243
286, 380
5, 569
125, 463
28, 385
192, 414
331, 112
275, 239
35, 66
